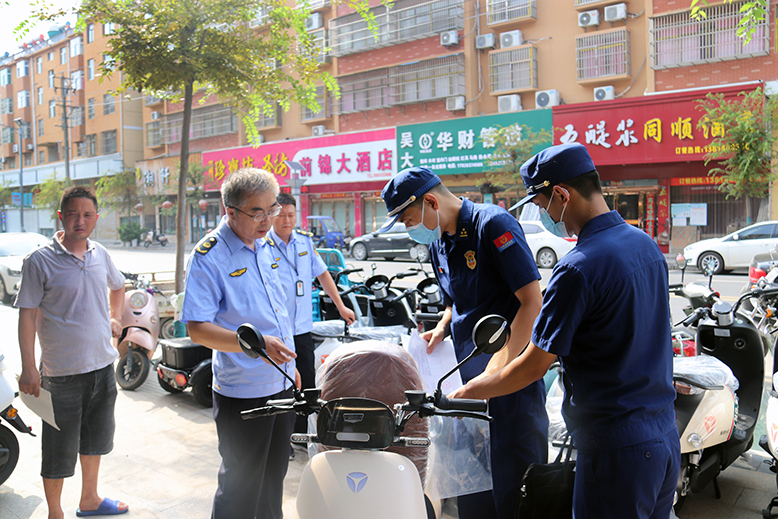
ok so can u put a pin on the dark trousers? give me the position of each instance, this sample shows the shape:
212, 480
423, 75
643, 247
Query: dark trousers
303, 345
519, 437
255, 455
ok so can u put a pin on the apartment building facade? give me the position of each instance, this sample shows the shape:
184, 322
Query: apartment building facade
101, 134
431, 83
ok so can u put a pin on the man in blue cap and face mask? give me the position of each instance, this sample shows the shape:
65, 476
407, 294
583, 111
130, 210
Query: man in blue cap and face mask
605, 316
483, 266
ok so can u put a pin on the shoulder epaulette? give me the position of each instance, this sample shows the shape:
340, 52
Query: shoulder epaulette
304, 233
206, 245
269, 240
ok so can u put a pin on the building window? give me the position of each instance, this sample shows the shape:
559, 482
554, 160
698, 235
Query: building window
325, 103
108, 28
81, 149
77, 46
90, 33
676, 40
52, 109
513, 69
77, 80
108, 140
319, 50
50, 55
5, 77
54, 153
39, 65
90, 108
23, 69
41, 157
27, 159
109, 105
51, 79
427, 80
499, 11
10, 162
7, 135
23, 99
6, 105
206, 122
602, 54
270, 119
77, 115
90, 69
108, 62
153, 134
364, 91
63, 55
40, 96
406, 20
40, 127
91, 145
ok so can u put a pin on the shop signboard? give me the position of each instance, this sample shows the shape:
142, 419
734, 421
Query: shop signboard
641, 130
335, 159
458, 146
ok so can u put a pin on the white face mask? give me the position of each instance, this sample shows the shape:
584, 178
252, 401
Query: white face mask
420, 233
558, 229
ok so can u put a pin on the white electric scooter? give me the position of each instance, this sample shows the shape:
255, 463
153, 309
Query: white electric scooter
9, 445
360, 477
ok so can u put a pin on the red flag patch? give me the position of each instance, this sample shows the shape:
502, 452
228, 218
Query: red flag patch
504, 241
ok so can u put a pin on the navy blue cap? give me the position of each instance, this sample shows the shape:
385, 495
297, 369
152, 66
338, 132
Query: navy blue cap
553, 166
404, 189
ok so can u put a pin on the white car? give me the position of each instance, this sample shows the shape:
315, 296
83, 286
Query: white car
14, 246
546, 247
735, 250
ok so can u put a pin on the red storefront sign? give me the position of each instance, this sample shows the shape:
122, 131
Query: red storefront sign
641, 130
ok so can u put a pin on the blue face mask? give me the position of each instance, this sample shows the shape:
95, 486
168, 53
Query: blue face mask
557, 229
421, 234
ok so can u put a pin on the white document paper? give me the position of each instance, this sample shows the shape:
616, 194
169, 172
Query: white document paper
434, 365
41, 406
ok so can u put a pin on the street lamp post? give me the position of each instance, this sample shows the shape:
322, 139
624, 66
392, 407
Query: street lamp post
20, 123
295, 183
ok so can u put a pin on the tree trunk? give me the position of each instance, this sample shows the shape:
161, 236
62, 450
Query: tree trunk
182, 179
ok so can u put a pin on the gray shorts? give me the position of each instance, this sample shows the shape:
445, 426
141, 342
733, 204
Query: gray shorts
84, 411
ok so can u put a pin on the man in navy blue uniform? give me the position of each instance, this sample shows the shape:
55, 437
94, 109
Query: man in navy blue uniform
483, 266
605, 316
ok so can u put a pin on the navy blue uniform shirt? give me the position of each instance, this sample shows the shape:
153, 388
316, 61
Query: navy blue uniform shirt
479, 270
605, 314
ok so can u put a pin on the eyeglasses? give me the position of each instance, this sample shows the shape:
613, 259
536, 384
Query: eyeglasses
262, 215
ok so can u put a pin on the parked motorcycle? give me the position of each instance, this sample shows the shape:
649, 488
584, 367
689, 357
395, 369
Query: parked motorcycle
140, 331
154, 238
359, 474
186, 364
9, 445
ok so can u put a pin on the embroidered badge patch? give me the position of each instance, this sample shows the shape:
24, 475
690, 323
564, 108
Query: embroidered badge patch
303, 253
204, 246
238, 272
504, 241
274, 266
470, 257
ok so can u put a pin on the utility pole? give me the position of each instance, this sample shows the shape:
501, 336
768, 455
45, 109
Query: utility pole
65, 125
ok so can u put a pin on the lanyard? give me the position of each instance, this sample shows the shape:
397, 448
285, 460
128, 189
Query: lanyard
283, 255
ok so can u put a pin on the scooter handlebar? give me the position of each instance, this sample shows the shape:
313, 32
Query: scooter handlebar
461, 404
271, 407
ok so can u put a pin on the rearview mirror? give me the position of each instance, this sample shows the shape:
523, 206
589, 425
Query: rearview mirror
680, 261
251, 341
414, 253
490, 334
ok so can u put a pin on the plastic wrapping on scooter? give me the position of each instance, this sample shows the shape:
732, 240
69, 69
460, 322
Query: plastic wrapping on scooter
705, 370
459, 459
379, 371
335, 329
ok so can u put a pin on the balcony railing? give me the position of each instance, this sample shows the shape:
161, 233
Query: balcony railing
603, 54
513, 69
499, 11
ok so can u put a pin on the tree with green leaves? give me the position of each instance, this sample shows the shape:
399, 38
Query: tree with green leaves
49, 193
512, 146
119, 192
752, 13
743, 143
174, 49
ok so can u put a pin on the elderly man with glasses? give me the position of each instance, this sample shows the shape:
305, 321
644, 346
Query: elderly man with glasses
232, 278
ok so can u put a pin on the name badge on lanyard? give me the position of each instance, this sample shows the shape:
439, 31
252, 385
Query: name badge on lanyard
300, 288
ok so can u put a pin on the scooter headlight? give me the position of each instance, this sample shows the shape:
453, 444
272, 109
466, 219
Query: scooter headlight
138, 300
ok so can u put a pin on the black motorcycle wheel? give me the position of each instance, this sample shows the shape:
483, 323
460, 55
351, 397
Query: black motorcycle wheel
9, 451
146, 244
167, 386
202, 389
132, 369
163, 242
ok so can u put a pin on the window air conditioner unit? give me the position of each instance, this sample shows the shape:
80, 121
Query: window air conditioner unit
29, 147
509, 103
614, 13
546, 98
484, 41
511, 39
604, 93
154, 116
449, 38
455, 103
315, 21
318, 130
15, 148
589, 18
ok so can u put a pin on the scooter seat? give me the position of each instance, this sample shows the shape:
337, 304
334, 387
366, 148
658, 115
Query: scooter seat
705, 370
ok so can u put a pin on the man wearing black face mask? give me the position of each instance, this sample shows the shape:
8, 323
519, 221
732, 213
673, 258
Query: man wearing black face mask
483, 266
605, 316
